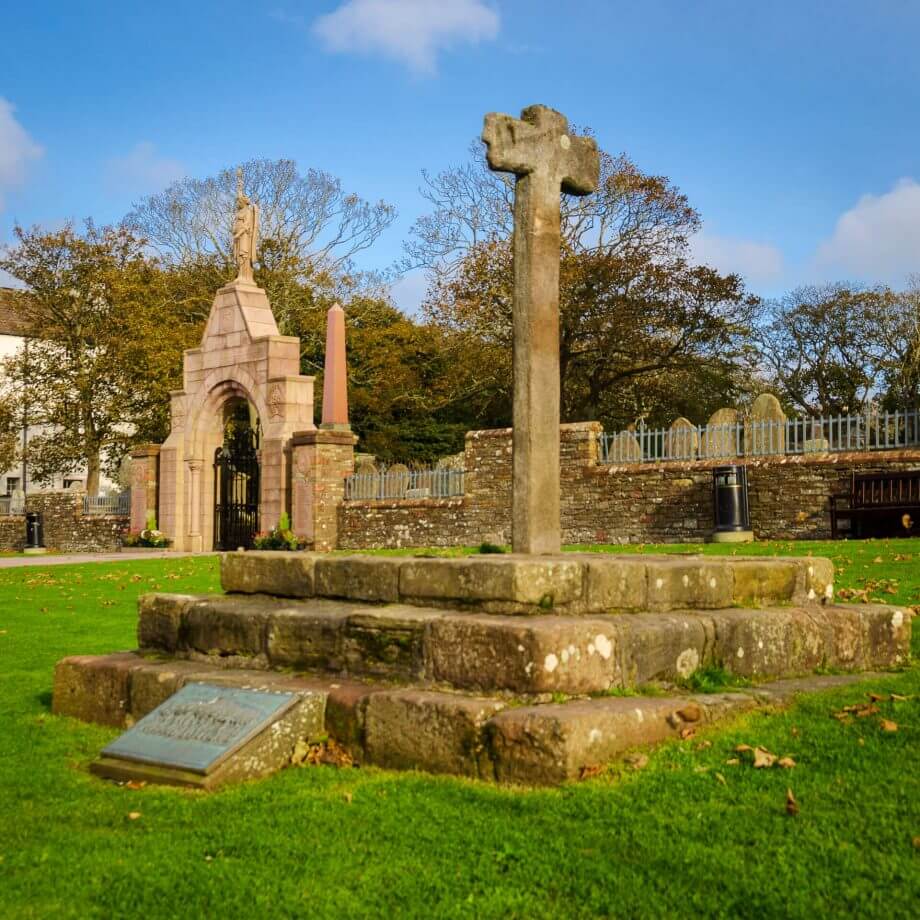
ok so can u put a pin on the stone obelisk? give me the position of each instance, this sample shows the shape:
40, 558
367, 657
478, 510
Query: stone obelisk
335, 373
545, 158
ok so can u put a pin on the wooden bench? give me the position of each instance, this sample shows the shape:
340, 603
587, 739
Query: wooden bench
873, 497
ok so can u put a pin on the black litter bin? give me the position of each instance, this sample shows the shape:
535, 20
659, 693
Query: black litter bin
34, 535
730, 499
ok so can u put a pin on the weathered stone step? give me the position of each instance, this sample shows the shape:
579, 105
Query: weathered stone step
519, 654
411, 728
570, 583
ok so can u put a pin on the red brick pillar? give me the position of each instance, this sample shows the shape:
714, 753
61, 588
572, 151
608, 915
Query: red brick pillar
144, 481
321, 461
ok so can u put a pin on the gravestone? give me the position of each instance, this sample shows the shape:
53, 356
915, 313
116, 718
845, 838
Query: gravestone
206, 735
545, 159
815, 443
624, 448
721, 436
682, 442
365, 484
765, 428
398, 479
454, 462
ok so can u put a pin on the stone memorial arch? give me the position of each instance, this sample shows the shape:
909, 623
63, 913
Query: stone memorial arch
231, 464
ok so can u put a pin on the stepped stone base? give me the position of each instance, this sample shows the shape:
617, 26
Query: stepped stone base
519, 654
567, 584
457, 665
417, 728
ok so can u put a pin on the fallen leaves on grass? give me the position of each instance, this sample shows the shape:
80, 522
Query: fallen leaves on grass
135, 784
888, 726
760, 758
792, 806
636, 761
133, 815
864, 595
860, 710
690, 713
590, 771
720, 779
327, 753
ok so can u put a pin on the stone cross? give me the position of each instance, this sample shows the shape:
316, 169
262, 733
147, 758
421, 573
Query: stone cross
545, 158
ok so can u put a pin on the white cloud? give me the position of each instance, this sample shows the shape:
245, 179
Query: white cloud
757, 263
411, 31
17, 149
142, 170
878, 238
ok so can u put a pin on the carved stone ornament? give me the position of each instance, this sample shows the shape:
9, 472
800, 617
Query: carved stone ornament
178, 415
275, 402
303, 463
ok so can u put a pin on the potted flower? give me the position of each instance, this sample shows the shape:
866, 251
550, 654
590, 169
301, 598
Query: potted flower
150, 538
280, 537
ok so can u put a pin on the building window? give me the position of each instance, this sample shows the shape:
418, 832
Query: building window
12, 484
73, 484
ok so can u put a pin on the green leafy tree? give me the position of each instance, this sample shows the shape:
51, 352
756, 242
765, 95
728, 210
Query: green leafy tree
822, 349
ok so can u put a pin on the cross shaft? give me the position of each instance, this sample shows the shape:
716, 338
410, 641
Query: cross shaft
545, 158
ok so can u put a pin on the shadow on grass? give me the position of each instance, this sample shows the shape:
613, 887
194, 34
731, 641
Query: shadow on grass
44, 699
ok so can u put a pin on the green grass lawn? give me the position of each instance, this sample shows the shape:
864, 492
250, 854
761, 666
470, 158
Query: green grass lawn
687, 835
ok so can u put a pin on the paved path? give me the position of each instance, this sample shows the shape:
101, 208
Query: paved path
12, 562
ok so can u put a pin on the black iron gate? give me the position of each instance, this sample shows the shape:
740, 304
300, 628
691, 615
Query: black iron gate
236, 493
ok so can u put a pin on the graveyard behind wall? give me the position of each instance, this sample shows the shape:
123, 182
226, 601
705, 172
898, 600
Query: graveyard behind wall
628, 503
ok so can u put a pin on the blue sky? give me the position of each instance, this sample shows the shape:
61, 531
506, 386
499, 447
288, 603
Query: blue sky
791, 126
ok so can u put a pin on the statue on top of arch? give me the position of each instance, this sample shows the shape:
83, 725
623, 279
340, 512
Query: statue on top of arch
245, 232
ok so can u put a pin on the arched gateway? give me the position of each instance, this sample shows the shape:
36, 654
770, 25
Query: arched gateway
243, 448
209, 501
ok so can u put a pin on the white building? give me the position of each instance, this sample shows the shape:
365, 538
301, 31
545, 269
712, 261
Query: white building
13, 337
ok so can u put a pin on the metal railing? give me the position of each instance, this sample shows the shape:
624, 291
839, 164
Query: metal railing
116, 505
764, 438
12, 506
404, 483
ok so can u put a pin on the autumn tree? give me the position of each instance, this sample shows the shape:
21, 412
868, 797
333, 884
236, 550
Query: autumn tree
898, 336
108, 335
10, 430
644, 333
410, 395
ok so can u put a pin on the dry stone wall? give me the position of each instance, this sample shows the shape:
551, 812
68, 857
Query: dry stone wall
66, 528
629, 503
